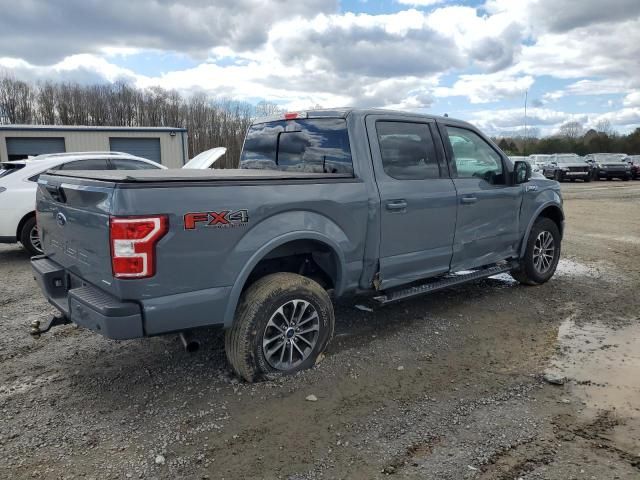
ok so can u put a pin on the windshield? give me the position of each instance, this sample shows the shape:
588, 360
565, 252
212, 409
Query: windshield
611, 157
568, 159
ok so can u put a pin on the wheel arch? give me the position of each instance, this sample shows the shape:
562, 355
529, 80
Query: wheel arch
296, 241
550, 210
22, 221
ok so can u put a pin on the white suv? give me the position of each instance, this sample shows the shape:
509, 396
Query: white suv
18, 185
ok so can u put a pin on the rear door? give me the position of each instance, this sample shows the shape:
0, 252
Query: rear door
487, 229
418, 200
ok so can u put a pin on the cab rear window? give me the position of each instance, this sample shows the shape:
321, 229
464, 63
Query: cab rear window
304, 145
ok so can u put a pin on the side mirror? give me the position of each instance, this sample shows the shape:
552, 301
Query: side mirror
521, 172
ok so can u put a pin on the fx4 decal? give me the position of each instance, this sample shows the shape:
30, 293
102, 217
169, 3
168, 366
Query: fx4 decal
225, 218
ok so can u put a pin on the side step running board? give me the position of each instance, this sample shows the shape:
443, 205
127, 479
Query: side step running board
448, 281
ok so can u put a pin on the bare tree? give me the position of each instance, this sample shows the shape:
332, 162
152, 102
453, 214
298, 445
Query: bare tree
211, 121
265, 109
604, 126
571, 130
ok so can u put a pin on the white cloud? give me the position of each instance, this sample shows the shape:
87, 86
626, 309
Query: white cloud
420, 3
632, 100
485, 88
305, 53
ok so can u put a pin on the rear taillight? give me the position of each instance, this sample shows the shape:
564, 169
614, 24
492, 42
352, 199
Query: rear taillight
133, 244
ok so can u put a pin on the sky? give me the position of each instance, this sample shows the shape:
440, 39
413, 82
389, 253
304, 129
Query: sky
577, 60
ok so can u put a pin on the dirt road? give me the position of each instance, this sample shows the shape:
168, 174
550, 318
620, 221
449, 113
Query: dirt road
447, 386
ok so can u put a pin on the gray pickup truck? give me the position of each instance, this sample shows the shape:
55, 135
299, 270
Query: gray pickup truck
326, 202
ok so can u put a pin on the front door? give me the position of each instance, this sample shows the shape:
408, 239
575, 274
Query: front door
418, 200
487, 230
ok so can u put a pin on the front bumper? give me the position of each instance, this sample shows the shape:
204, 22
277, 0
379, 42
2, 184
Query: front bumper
86, 305
602, 172
579, 175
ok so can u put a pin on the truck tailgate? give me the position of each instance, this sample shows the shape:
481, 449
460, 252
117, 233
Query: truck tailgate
73, 222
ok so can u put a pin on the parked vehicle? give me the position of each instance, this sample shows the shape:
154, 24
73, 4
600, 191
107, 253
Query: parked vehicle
205, 159
539, 159
534, 168
609, 165
18, 188
634, 163
391, 203
567, 166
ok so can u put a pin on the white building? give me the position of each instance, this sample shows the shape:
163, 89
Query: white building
164, 145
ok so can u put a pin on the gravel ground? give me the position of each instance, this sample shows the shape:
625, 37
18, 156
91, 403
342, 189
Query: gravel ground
447, 386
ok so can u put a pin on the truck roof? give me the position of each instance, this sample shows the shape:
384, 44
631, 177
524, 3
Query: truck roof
346, 111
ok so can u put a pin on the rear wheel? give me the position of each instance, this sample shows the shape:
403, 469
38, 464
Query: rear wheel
541, 255
283, 323
29, 237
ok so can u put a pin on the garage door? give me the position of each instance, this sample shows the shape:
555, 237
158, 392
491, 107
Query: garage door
23, 147
141, 147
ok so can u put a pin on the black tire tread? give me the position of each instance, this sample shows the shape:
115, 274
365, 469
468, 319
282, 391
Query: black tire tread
237, 338
521, 274
24, 236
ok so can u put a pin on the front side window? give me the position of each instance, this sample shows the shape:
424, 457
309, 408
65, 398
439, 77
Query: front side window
305, 145
474, 157
407, 150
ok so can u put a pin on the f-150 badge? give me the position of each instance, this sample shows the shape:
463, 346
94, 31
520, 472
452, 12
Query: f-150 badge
222, 219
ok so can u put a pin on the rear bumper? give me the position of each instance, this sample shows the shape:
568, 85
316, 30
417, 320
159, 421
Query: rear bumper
85, 305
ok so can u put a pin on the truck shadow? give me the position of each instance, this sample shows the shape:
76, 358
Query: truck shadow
163, 359
13, 254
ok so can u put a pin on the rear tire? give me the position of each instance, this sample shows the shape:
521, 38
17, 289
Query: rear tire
283, 323
29, 237
541, 255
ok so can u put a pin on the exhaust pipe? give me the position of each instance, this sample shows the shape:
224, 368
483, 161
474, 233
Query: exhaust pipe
190, 343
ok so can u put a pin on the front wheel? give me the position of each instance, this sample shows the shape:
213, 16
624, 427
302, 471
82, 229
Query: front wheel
283, 323
29, 237
541, 255
557, 176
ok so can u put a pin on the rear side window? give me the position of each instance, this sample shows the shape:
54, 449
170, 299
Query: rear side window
305, 145
89, 164
129, 164
407, 150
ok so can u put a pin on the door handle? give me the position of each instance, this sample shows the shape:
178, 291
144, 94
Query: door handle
469, 200
395, 205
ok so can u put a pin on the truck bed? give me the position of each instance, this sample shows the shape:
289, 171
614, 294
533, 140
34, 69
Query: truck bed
177, 175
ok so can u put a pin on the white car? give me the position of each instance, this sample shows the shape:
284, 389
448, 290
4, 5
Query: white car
18, 185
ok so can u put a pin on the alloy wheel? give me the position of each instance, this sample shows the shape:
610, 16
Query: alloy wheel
291, 335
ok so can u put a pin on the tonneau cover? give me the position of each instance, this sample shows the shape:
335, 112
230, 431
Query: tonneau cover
179, 175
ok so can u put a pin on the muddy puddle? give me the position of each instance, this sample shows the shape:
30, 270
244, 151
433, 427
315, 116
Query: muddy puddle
601, 364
